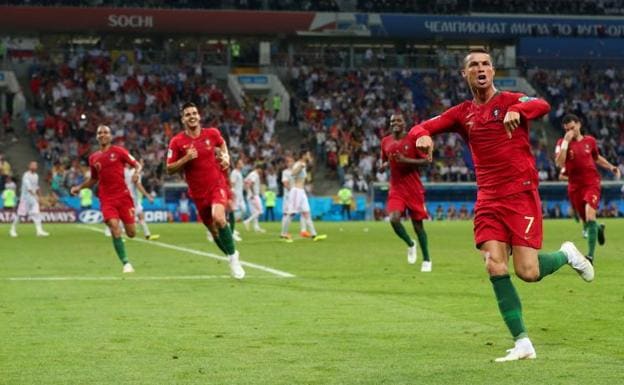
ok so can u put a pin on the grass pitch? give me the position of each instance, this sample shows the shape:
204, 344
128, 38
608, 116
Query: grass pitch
354, 313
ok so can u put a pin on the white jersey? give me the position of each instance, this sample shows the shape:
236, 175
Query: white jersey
253, 181
287, 178
29, 203
134, 191
236, 181
30, 182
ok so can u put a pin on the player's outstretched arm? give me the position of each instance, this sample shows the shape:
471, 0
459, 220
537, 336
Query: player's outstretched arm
86, 184
604, 163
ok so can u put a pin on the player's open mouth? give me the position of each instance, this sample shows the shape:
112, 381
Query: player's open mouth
481, 79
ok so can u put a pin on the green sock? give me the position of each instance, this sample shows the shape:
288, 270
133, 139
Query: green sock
219, 244
400, 231
509, 305
424, 246
231, 220
550, 262
120, 249
225, 235
592, 234
584, 226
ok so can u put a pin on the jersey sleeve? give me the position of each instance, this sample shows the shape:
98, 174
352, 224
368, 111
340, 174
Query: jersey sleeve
215, 136
529, 107
595, 150
126, 157
448, 121
173, 152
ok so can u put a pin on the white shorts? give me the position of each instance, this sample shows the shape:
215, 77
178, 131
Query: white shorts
298, 201
28, 206
255, 205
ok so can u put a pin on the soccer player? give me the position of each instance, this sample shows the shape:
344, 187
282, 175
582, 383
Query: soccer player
29, 201
406, 189
237, 183
193, 151
298, 199
508, 215
236, 203
137, 191
287, 185
252, 182
579, 155
107, 170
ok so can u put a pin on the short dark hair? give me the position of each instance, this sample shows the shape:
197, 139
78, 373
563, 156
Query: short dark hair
476, 50
187, 105
570, 118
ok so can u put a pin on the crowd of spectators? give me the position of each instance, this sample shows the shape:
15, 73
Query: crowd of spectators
554, 7
79, 91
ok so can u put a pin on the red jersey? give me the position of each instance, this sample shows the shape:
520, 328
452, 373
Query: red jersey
108, 168
503, 166
204, 172
404, 177
580, 164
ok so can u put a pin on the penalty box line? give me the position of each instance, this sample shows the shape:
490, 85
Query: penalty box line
279, 273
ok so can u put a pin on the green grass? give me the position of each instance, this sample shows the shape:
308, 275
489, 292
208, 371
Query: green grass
356, 312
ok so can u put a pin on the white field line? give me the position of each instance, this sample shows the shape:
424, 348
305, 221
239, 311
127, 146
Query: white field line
256, 266
125, 278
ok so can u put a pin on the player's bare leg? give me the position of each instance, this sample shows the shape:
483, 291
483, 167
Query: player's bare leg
115, 228
284, 235
146, 231
225, 237
399, 230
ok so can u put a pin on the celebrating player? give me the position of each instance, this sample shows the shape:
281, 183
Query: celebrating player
406, 189
194, 152
579, 155
107, 169
29, 201
508, 216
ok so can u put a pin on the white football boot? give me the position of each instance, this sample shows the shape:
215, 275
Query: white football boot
578, 261
412, 254
127, 268
236, 269
523, 350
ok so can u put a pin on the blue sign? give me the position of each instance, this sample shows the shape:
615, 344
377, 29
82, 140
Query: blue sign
253, 79
401, 25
